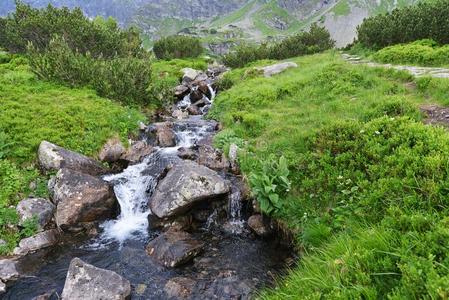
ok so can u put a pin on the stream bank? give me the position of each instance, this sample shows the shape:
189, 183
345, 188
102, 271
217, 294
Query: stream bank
181, 184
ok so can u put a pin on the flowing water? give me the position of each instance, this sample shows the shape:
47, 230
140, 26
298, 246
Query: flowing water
233, 261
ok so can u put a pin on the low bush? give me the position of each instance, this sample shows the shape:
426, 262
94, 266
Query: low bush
177, 46
317, 39
125, 79
425, 20
423, 53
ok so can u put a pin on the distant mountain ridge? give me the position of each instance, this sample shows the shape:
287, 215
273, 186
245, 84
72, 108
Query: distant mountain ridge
232, 19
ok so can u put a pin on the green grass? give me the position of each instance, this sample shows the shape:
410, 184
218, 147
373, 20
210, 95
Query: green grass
368, 201
32, 111
270, 11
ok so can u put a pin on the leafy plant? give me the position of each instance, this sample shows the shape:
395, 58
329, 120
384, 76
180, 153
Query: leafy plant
4, 145
271, 184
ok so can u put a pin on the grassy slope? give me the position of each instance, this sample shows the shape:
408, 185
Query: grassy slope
32, 111
368, 200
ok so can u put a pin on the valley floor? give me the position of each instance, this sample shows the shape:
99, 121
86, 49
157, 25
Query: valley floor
368, 202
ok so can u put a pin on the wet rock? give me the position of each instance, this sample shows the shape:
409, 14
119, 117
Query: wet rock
54, 158
112, 151
196, 95
258, 225
204, 88
2, 288
181, 91
229, 288
277, 68
180, 114
201, 103
179, 287
137, 152
174, 248
212, 158
194, 110
186, 153
85, 281
164, 134
81, 198
189, 75
8, 271
37, 242
47, 296
40, 208
186, 184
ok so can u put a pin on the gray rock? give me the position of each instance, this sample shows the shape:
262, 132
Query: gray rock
81, 198
51, 187
277, 68
47, 296
180, 114
164, 134
137, 152
85, 281
258, 225
37, 242
2, 288
54, 158
174, 248
201, 77
194, 110
112, 151
186, 184
212, 158
40, 208
8, 270
3, 243
181, 91
179, 287
189, 75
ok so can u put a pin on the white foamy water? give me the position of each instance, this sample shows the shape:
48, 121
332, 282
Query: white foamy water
132, 188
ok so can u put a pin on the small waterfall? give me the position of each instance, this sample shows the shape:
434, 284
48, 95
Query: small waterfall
133, 188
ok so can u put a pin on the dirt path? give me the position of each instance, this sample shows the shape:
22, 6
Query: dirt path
415, 71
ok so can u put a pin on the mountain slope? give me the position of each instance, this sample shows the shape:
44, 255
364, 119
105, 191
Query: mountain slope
232, 19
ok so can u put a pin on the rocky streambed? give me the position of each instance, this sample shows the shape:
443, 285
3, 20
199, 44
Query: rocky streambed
170, 222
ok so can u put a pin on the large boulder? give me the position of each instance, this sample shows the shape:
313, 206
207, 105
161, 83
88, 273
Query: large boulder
174, 248
39, 208
181, 91
269, 71
37, 242
164, 134
85, 281
53, 158
81, 198
112, 150
186, 184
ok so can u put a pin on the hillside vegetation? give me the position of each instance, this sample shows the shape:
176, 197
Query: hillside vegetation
368, 179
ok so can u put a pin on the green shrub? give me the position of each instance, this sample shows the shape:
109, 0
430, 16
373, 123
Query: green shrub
125, 79
11, 181
424, 53
317, 39
99, 37
178, 46
271, 184
425, 20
